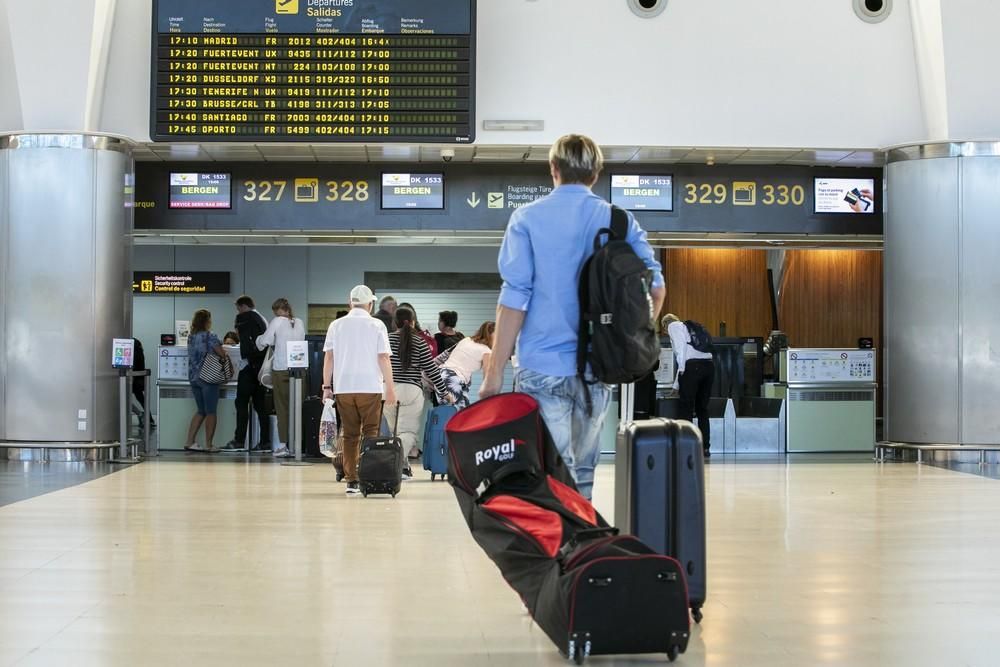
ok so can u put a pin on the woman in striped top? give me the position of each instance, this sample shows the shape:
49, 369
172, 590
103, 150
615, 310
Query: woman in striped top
411, 358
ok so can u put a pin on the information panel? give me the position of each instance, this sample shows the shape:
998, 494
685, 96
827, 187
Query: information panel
314, 70
200, 191
174, 283
416, 191
831, 366
643, 193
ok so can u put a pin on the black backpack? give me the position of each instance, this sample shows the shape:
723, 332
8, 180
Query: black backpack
701, 340
617, 337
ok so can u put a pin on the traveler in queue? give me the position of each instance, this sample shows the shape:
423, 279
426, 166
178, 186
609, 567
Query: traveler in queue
695, 375
357, 372
283, 328
465, 359
411, 359
249, 325
201, 343
544, 248
386, 313
420, 330
231, 338
447, 337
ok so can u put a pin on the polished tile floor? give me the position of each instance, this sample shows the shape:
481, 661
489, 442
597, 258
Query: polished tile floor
223, 562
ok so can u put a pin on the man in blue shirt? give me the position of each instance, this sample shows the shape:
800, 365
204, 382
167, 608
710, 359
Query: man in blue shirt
543, 252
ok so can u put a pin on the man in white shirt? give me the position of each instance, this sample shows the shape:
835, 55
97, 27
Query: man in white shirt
695, 375
357, 368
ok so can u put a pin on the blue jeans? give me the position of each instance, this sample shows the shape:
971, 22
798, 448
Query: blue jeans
577, 435
206, 397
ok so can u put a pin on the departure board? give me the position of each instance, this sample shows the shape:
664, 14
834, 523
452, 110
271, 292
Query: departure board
363, 71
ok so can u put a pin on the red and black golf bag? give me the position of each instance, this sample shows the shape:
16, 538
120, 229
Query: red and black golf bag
591, 590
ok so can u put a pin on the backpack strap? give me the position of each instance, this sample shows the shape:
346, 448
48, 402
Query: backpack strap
583, 335
619, 223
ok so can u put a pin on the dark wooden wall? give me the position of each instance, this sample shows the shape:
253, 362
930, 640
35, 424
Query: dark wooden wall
719, 285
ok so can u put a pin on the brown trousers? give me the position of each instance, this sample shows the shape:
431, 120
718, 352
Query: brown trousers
360, 417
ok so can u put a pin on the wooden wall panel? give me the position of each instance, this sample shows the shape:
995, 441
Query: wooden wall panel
830, 298
714, 285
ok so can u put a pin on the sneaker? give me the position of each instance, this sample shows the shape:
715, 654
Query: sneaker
407, 474
194, 447
282, 453
232, 444
353, 489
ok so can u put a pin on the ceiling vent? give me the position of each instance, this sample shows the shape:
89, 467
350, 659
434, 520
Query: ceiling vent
872, 11
647, 9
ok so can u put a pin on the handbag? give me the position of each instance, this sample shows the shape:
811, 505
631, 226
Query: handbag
264, 376
216, 369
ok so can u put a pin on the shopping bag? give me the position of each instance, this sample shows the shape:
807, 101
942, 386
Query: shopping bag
328, 430
264, 376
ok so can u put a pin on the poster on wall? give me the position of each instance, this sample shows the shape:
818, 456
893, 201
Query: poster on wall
122, 352
845, 195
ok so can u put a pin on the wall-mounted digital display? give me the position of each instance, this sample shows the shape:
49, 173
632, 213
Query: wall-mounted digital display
642, 193
178, 283
844, 195
314, 70
413, 191
194, 191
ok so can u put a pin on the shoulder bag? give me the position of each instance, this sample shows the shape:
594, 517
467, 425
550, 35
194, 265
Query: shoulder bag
216, 369
264, 376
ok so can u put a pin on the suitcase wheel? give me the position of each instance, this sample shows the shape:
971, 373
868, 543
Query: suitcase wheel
673, 652
432, 477
696, 614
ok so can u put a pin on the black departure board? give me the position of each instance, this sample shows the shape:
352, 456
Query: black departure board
362, 71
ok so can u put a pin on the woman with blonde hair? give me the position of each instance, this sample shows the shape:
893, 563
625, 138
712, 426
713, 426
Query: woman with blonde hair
466, 358
284, 328
201, 343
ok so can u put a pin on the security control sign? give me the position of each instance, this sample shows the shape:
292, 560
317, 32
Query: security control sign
642, 193
413, 191
200, 191
179, 283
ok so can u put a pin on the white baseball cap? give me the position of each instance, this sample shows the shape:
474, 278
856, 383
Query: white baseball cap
361, 294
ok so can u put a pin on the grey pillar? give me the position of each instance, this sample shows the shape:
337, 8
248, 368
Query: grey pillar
65, 283
942, 281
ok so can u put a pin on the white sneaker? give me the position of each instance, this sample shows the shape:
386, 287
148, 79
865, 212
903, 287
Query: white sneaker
407, 475
282, 453
353, 489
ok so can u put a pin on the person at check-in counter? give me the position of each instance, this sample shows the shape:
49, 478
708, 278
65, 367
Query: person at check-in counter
284, 327
695, 374
201, 343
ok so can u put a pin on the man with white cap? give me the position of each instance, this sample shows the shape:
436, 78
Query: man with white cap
357, 370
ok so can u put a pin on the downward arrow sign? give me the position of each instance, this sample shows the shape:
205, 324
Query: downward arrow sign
473, 201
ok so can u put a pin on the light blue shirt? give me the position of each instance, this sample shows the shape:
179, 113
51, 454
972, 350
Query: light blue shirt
543, 252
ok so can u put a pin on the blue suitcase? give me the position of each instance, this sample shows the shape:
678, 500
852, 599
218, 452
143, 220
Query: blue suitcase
435, 444
660, 494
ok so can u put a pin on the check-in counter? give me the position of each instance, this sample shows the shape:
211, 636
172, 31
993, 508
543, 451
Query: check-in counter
831, 400
722, 420
760, 426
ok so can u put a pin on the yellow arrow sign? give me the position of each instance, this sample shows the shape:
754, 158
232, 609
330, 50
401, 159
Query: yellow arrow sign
473, 201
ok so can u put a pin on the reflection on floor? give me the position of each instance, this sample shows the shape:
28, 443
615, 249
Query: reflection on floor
192, 562
21, 480
990, 470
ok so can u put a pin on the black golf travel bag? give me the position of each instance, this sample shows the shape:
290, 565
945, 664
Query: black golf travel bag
592, 591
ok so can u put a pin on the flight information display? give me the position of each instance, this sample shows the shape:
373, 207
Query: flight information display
643, 193
193, 191
314, 70
417, 191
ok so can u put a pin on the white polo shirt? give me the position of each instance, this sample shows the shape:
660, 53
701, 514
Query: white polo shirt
356, 340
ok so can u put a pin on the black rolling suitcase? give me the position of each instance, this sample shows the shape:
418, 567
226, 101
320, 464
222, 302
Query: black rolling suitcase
312, 414
380, 465
591, 591
660, 492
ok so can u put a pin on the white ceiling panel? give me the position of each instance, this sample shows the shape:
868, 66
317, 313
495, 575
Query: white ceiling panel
394, 153
340, 152
765, 156
432, 153
659, 154
716, 155
617, 153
